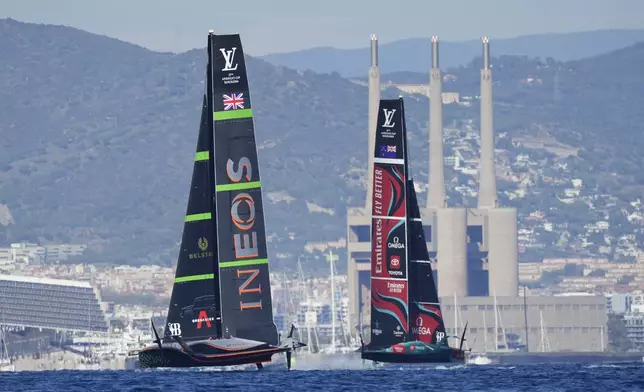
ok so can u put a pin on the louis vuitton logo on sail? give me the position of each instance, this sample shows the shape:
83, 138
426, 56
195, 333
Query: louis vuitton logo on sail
389, 132
389, 116
230, 65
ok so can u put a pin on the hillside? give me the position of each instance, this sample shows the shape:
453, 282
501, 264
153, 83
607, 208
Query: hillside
98, 139
591, 103
414, 54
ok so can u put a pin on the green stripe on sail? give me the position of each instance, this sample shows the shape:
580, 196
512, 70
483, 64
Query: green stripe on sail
198, 217
233, 114
192, 278
202, 156
241, 263
238, 186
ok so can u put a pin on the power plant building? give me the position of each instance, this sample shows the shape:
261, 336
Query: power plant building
473, 250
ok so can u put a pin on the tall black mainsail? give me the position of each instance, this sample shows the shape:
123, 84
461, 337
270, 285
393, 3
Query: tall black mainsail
406, 320
247, 310
220, 309
389, 277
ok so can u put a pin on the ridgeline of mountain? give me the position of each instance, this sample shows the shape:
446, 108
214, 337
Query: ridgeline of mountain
414, 54
591, 103
98, 138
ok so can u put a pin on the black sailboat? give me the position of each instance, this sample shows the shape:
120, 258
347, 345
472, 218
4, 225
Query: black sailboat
220, 311
406, 320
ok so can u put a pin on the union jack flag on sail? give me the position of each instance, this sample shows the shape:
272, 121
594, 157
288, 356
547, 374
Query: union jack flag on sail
234, 101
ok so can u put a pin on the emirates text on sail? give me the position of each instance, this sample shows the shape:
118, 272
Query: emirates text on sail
378, 246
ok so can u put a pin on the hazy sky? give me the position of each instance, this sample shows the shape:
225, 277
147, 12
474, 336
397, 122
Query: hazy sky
269, 26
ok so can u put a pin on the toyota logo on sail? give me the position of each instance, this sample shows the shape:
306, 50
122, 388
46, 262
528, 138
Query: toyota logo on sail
396, 244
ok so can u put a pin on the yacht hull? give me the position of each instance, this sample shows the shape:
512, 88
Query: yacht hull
224, 352
415, 352
172, 357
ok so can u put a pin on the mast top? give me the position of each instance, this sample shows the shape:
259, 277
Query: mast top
211, 31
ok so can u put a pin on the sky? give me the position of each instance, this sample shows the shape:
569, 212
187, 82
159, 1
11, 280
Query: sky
271, 26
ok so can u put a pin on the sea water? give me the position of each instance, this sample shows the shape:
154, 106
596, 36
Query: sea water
441, 378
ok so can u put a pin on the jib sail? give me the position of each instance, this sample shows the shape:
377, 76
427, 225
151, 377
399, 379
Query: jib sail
389, 285
425, 313
247, 311
194, 303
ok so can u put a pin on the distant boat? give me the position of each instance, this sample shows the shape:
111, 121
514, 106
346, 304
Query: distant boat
479, 359
221, 312
6, 365
406, 320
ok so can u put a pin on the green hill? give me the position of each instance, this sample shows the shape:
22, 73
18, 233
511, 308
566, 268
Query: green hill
98, 138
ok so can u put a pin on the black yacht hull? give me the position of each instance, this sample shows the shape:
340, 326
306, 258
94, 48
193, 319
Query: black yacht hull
173, 357
208, 352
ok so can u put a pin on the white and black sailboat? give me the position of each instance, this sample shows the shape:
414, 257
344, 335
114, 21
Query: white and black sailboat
220, 311
6, 365
406, 320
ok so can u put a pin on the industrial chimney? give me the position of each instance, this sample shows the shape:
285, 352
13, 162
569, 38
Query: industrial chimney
501, 233
487, 181
374, 101
436, 197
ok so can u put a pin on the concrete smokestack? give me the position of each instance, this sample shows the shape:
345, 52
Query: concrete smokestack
434, 51
487, 181
374, 50
452, 252
486, 52
374, 101
436, 197
503, 267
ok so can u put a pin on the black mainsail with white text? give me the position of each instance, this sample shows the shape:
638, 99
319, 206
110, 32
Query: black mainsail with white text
220, 310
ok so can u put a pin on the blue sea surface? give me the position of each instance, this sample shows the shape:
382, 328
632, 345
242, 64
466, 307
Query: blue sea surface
546, 378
